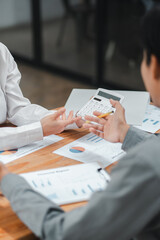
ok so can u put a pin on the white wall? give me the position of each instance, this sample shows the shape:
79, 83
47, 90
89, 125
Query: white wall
15, 12
6, 19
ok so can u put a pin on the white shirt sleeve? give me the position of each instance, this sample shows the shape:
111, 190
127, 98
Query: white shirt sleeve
15, 137
19, 109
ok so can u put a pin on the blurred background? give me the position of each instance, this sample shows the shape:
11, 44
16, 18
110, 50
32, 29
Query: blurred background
64, 44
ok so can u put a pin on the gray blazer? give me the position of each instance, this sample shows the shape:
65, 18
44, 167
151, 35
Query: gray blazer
128, 208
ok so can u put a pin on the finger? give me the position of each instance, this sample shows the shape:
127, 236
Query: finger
76, 113
115, 104
87, 125
79, 118
70, 116
71, 121
64, 116
79, 121
97, 113
96, 127
59, 113
68, 122
99, 134
95, 119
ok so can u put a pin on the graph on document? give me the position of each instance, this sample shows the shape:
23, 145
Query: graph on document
81, 191
94, 139
151, 122
68, 184
91, 148
78, 149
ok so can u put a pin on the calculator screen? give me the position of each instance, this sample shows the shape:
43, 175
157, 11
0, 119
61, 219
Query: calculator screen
109, 96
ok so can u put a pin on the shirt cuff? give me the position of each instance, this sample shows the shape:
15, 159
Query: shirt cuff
34, 132
15, 137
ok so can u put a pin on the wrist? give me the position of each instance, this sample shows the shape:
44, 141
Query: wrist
123, 131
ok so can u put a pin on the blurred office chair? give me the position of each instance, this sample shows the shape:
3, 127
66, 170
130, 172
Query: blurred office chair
80, 12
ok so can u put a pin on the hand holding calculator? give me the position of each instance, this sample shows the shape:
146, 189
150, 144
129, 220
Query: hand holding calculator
100, 102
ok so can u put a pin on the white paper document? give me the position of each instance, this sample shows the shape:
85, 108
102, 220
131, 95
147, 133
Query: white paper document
151, 122
13, 154
91, 148
69, 184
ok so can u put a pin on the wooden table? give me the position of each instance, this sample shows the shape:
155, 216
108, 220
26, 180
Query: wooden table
10, 225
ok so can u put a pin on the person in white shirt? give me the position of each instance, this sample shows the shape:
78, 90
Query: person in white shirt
33, 121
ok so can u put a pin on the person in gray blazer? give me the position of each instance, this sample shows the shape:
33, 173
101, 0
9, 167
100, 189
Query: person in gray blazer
129, 208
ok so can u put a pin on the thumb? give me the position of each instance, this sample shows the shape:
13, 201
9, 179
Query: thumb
119, 109
59, 113
115, 104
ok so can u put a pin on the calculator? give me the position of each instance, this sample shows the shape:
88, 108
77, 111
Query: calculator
100, 102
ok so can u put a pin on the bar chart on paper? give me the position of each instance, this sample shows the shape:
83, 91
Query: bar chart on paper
94, 138
68, 184
91, 148
78, 149
151, 122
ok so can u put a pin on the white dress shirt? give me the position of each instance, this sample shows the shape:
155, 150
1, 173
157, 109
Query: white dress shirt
15, 108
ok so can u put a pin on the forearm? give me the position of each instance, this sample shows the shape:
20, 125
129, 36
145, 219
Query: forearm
30, 206
135, 136
15, 137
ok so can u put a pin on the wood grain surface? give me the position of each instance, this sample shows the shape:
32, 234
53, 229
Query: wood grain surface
10, 226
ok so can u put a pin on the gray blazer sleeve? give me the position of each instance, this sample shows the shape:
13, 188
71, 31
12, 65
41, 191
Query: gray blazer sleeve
135, 136
121, 211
